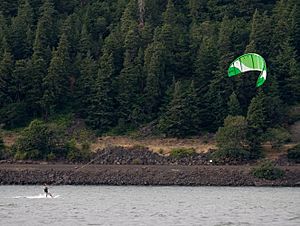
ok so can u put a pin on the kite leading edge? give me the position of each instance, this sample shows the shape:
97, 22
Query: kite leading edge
249, 62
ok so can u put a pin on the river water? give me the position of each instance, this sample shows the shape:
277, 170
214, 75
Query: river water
134, 205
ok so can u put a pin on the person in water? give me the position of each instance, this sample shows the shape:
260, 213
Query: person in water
47, 191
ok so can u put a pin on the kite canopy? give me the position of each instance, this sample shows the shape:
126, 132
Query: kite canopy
249, 62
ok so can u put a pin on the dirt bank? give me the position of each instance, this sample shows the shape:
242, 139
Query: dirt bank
140, 175
164, 145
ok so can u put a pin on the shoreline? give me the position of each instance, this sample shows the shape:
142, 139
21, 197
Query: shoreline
150, 175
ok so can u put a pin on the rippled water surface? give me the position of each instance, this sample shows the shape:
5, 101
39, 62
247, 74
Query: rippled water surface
131, 205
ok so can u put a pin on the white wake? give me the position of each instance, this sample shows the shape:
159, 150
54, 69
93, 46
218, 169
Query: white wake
40, 196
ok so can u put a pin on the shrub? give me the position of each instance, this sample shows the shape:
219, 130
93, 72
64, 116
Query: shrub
86, 147
122, 128
33, 154
78, 154
231, 154
20, 155
85, 135
267, 170
63, 120
51, 156
277, 136
182, 152
232, 139
294, 153
38, 140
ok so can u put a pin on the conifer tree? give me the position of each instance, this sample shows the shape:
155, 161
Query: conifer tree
284, 58
9, 8
155, 69
198, 10
45, 38
295, 23
259, 40
169, 16
127, 83
7, 90
85, 85
256, 113
172, 123
274, 110
56, 83
283, 25
114, 44
205, 64
102, 110
14, 109
256, 119
234, 108
181, 118
285, 71
220, 87
192, 110
204, 67
293, 85
21, 31
168, 36
97, 18
72, 33
46, 32
130, 81
22, 71
85, 42
3, 34
146, 34
143, 47
129, 19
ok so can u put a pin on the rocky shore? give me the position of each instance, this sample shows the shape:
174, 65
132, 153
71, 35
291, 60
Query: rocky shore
143, 156
202, 175
140, 166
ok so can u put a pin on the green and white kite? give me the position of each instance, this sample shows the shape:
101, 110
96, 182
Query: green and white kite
249, 62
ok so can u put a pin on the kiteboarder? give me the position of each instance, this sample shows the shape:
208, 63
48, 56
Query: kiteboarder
46, 191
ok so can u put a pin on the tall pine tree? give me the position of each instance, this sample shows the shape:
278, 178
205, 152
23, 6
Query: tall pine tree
220, 88
56, 83
7, 89
22, 31
45, 38
102, 110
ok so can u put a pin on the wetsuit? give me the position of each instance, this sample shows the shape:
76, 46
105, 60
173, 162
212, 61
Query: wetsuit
47, 192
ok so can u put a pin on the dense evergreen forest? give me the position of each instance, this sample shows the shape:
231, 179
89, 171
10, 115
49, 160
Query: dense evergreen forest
125, 64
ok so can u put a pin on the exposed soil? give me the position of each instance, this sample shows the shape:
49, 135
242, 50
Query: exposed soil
163, 145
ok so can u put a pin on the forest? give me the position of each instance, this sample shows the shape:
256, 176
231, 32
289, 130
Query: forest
126, 64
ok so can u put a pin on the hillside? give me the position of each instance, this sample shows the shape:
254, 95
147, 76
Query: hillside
119, 65
80, 75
